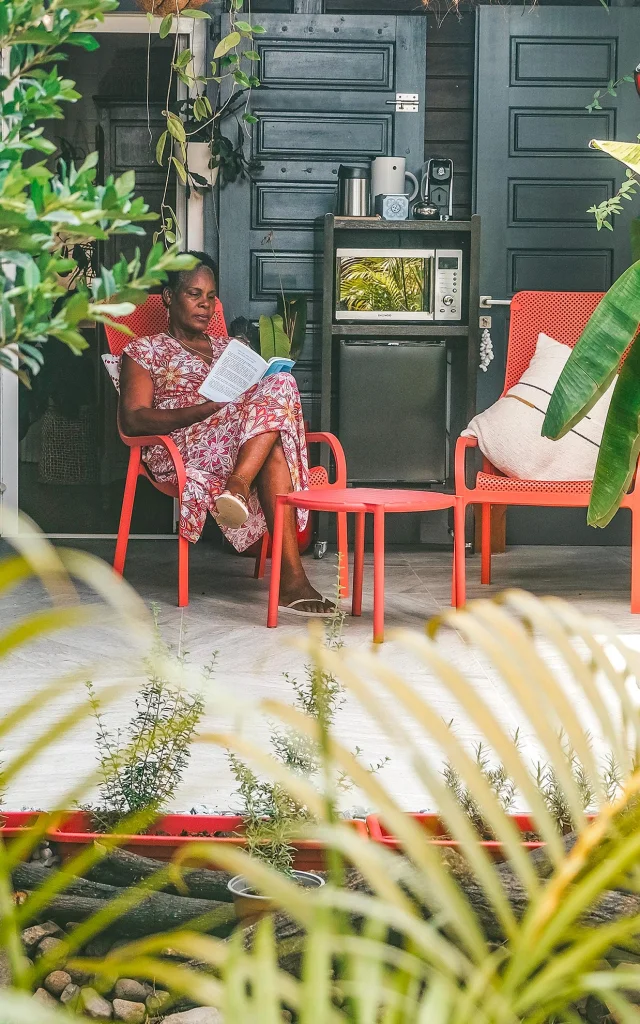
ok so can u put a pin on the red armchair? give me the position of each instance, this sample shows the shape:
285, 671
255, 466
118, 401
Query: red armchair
563, 316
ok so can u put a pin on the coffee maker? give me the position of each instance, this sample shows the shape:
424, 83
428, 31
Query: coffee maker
436, 190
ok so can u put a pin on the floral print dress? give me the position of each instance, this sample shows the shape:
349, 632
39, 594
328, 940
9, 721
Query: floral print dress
210, 449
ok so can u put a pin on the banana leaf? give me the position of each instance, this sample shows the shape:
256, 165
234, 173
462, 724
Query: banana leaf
596, 357
620, 444
634, 232
587, 374
273, 338
626, 152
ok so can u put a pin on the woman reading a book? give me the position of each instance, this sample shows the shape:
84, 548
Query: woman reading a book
238, 456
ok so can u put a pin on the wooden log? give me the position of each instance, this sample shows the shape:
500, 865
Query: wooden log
31, 876
122, 868
158, 912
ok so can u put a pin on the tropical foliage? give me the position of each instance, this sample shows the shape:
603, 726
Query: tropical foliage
433, 936
591, 368
455, 937
382, 282
38, 206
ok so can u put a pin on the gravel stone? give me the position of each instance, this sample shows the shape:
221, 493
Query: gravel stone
95, 1006
50, 945
56, 982
71, 995
131, 1012
199, 1015
78, 977
155, 1002
44, 997
31, 937
132, 990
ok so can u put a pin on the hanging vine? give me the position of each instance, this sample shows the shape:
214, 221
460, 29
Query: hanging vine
196, 118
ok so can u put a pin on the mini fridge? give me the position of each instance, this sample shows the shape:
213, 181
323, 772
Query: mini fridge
393, 411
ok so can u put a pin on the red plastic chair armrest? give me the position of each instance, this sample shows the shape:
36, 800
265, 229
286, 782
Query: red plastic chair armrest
463, 444
322, 437
168, 444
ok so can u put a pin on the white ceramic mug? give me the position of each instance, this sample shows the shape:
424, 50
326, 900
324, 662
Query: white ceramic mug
388, 176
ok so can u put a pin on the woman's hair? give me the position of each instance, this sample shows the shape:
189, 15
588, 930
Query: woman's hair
176, 277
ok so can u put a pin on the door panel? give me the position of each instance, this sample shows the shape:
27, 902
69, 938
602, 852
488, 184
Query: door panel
535, 177
328, 82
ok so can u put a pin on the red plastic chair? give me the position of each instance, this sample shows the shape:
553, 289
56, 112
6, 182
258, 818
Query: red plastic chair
146, 320
563, 316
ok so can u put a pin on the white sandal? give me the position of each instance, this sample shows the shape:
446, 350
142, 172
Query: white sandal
231, 509
308, 615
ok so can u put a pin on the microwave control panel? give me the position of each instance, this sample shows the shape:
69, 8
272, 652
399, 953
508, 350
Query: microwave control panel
447, 292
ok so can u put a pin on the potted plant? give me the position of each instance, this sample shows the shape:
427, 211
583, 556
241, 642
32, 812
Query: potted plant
274, 821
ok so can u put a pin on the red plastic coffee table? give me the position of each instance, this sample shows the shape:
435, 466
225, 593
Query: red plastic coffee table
361, 500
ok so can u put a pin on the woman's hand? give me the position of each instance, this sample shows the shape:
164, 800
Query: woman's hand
207, 409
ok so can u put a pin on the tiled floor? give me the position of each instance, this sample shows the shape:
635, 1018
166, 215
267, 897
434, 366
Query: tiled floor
227, 615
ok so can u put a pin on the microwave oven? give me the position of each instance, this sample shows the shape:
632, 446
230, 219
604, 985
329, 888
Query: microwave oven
398, 284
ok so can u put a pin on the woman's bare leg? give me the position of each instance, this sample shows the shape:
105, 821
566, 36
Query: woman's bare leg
275, 478
262, 459
252, 457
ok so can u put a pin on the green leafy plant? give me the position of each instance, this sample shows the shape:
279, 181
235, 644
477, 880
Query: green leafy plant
283, 333
497, 778
142, 766
37, 205
232, 71
590, 369
272, 816
274, 340
230, 158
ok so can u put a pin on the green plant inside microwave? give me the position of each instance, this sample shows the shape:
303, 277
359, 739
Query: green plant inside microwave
386, 283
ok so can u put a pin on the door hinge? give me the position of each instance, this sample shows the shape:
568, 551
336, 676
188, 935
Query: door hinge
405, 102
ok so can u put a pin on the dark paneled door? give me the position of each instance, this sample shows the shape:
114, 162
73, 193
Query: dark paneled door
328, 97
535, 178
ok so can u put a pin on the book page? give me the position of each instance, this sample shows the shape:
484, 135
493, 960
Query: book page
237, 369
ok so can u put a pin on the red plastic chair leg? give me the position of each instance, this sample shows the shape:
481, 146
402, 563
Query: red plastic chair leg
343, 554
183, 572
261, 559
485, 530
276, 561
459, 589
635, 562
358, 565
378, 575
128, 498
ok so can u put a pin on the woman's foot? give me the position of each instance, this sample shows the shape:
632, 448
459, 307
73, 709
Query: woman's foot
232, 506
301, 597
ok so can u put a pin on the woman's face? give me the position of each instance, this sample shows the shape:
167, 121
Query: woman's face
192, 304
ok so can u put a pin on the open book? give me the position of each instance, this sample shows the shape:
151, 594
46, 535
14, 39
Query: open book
238, 369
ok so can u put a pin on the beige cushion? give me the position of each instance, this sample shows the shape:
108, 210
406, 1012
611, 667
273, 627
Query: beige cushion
509, 432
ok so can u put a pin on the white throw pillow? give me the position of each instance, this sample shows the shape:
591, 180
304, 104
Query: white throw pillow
509, 432
112, 365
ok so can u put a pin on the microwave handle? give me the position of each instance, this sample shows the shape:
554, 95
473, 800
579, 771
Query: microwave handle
432, 298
